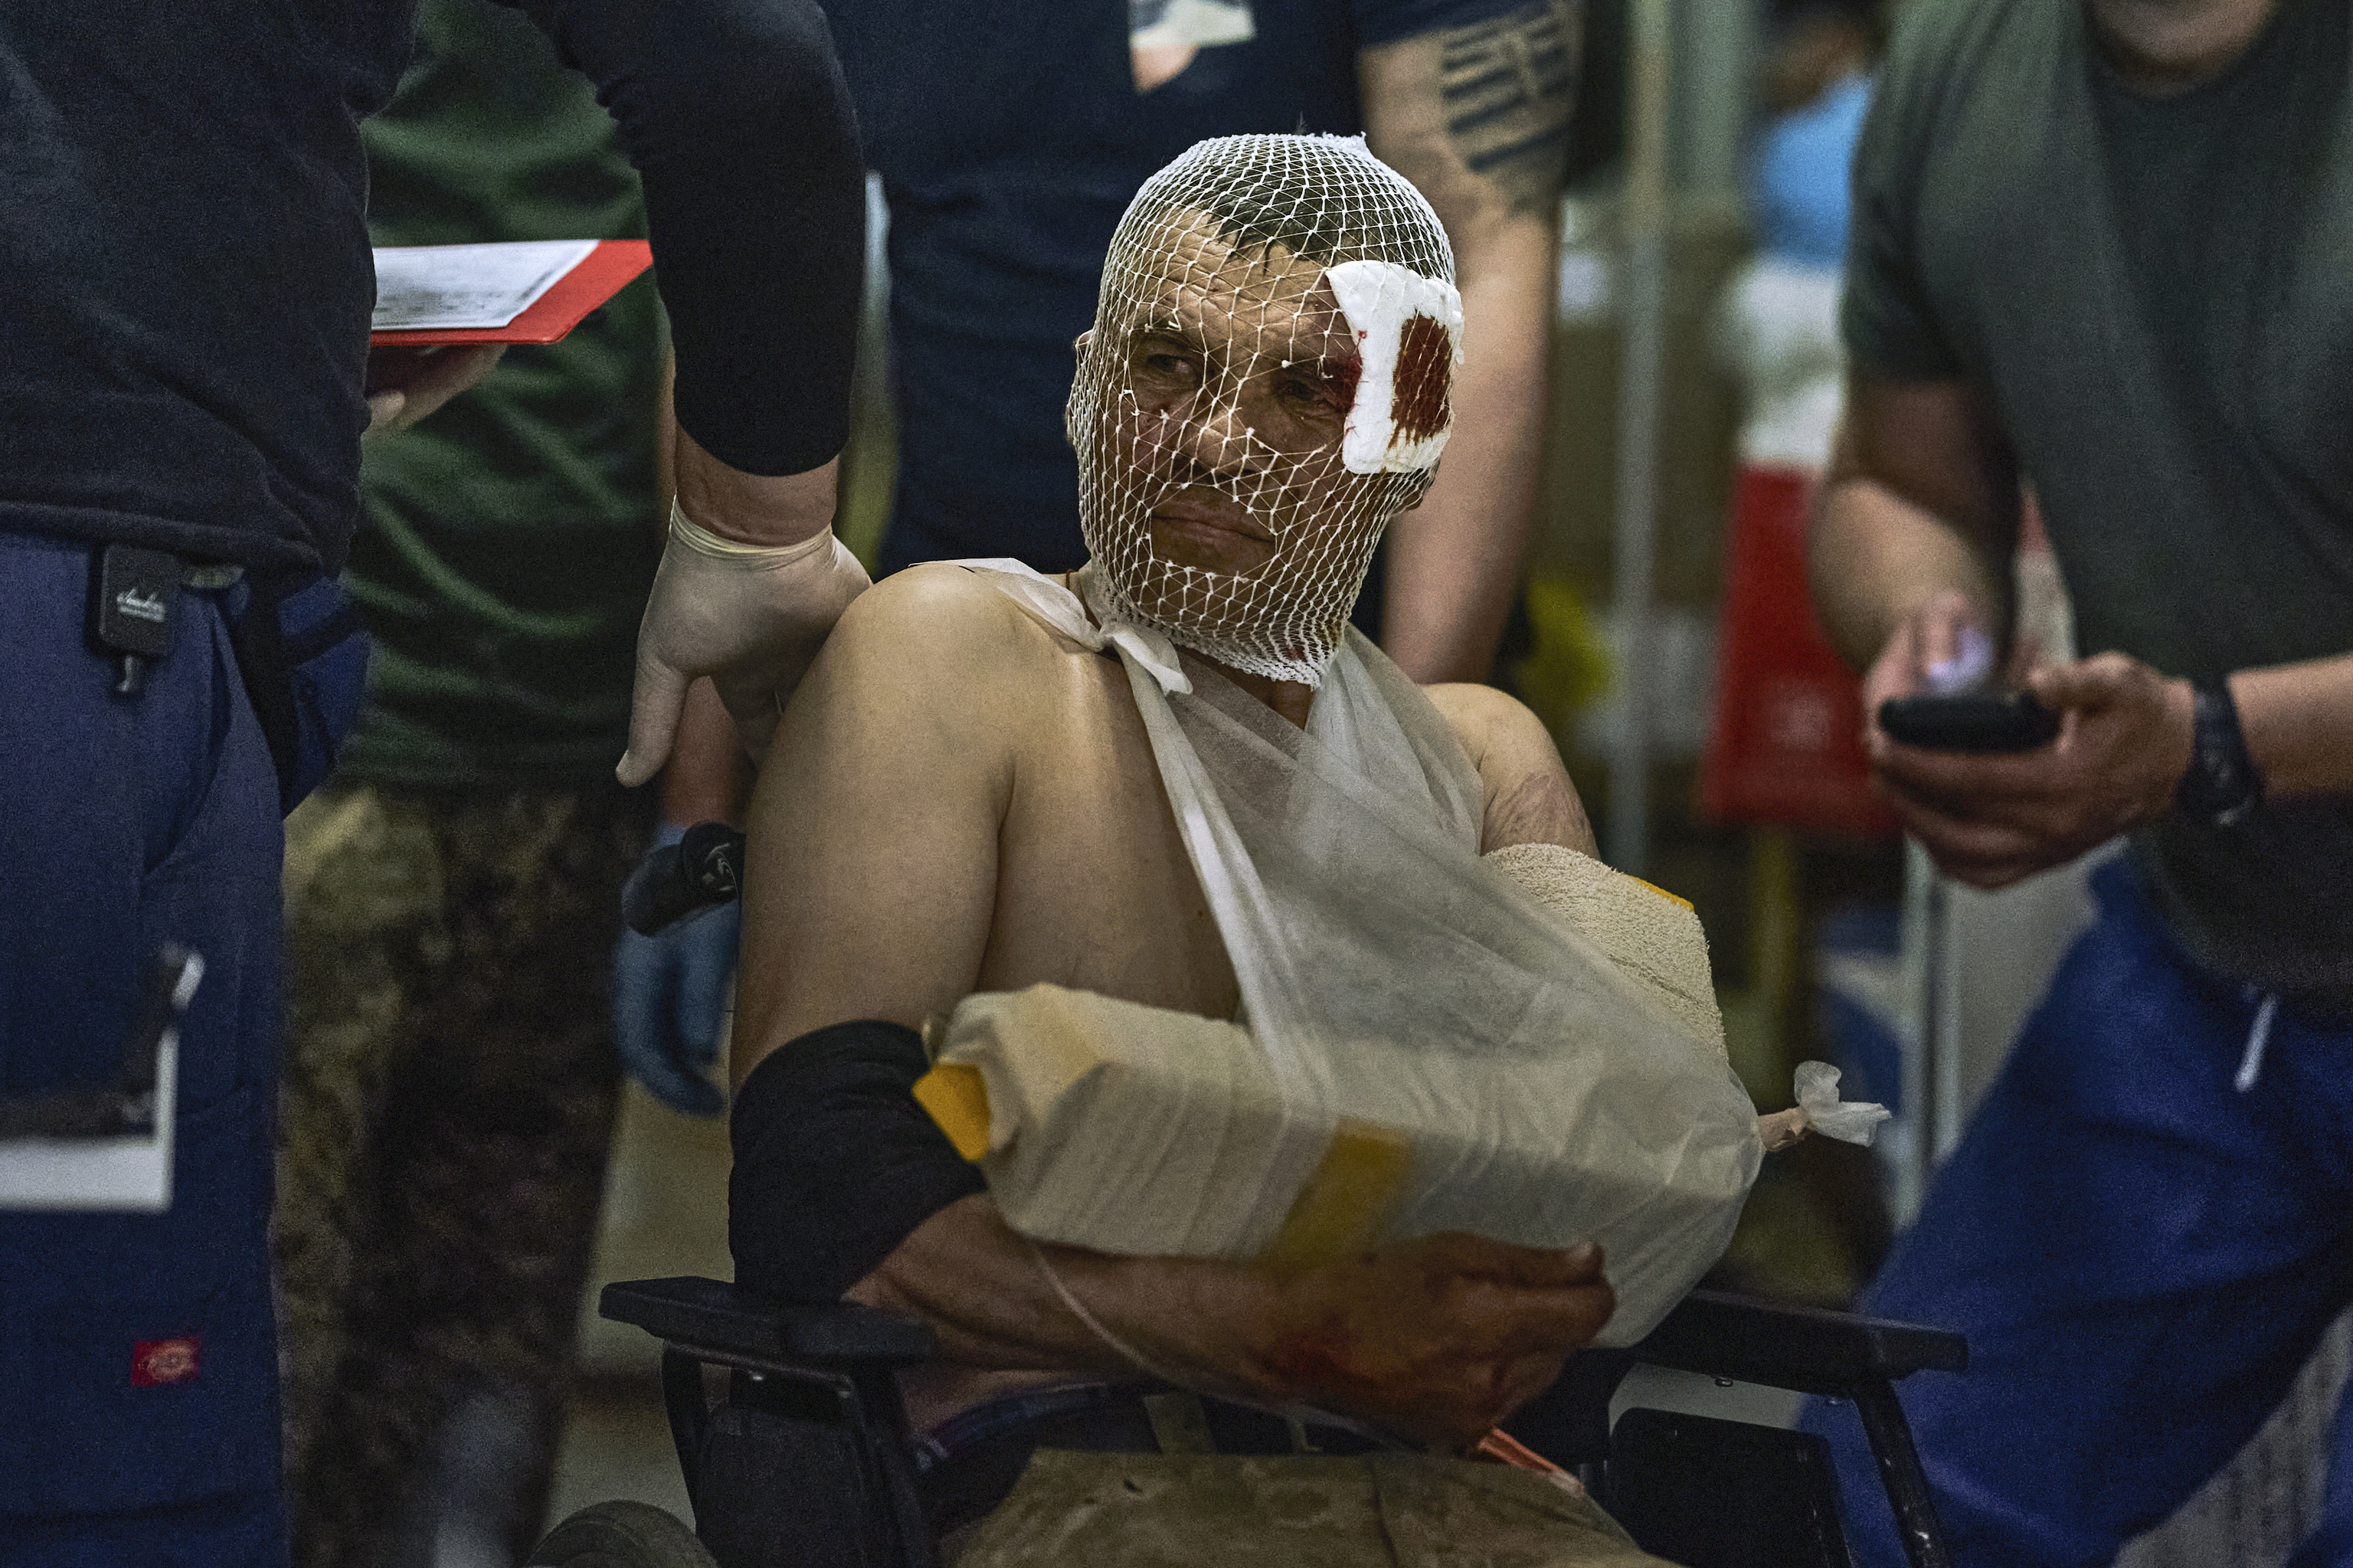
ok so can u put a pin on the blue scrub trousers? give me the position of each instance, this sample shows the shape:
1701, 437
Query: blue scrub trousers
2141, 1255
138, 1352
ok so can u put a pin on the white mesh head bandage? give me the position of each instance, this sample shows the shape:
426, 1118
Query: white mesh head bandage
1267, 384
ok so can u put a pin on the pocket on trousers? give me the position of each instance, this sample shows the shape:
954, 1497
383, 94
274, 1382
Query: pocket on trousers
160, 1391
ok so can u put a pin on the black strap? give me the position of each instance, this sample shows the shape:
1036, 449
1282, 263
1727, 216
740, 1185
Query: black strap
2222, 783
266, 664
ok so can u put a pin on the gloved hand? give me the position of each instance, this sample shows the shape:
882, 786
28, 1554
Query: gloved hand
750, 617
669, 997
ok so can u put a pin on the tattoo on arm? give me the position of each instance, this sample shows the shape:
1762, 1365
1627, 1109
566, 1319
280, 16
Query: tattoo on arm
1508, 85
1541, 808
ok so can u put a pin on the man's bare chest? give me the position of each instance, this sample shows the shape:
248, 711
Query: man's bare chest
1094, 890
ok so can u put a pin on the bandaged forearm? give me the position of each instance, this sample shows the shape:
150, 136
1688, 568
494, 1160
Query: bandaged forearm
1138, 1130
1656, 940
1423, 1046
1653, 937
835, 1163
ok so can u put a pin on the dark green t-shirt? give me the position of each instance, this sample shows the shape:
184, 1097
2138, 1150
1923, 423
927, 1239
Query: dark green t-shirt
508, 541
2155, 294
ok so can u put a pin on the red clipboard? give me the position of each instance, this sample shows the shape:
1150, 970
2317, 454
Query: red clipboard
598, 278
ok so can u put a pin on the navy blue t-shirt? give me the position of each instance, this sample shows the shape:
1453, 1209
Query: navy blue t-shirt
185, 277
1010, 140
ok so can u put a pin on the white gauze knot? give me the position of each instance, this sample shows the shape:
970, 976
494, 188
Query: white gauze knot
1086, 617
1820, 1109
1402, 321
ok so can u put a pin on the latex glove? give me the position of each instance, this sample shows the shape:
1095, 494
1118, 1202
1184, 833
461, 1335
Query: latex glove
670, 1001
751, 617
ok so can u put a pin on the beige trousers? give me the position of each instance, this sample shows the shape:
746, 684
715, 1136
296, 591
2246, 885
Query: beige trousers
1183, 1511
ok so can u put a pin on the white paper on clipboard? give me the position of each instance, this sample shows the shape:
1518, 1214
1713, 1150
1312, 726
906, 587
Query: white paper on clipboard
452, 287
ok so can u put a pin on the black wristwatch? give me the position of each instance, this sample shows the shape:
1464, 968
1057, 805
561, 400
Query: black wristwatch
2222, 783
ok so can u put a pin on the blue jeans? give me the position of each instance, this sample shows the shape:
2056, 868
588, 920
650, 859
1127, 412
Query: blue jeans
2141, 1255
126, 823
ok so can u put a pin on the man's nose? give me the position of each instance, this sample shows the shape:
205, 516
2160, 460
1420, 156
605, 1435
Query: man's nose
1220, 438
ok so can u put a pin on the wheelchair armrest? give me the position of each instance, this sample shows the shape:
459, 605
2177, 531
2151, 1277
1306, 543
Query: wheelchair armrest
1799, 1348
710, 1314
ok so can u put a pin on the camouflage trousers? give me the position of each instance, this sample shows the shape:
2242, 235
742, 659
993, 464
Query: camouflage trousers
448, 1093
1401, 1510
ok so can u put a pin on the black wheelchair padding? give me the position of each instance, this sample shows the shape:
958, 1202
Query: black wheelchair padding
1799, 1348
811, 1454
1771, 1502
1735, 1338
777, 1464
809, 1462
722, 1317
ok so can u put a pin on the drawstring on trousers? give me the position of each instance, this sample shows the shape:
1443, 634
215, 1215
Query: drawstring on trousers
2250, 1063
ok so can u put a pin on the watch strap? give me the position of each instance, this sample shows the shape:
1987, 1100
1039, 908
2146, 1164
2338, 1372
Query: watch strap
2222, 783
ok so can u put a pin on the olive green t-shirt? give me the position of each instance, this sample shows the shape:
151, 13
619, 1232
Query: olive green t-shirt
507, 542
2156, 295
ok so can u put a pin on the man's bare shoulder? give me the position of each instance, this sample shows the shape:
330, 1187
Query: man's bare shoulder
1530, 799
934, 606
931, 638
1483, 718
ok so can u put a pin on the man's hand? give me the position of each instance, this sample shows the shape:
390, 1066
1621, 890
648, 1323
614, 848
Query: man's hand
1436, 1338
404, 385
1439, 1339
749, 605
1938, 647
1991, 821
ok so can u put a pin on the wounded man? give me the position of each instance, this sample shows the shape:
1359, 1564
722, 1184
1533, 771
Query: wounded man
1241, 1225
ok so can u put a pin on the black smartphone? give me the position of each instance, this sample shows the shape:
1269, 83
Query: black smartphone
1970, 721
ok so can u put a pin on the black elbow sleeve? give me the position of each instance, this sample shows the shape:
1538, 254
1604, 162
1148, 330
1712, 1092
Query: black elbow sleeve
738, 120
835, 1162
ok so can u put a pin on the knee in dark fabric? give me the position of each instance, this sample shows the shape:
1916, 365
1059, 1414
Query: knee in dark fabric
835, 1162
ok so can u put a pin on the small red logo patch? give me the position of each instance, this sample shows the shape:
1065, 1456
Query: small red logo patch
155, 1363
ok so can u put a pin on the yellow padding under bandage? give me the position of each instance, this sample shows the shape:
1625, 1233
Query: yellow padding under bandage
1676, 899
1141, 1131
1338, 1215
1340, 1212
957, 1099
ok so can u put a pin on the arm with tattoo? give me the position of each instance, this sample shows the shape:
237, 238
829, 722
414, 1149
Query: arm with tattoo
1478, 118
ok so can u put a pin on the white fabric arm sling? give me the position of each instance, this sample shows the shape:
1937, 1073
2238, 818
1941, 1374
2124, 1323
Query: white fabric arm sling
1426, 1044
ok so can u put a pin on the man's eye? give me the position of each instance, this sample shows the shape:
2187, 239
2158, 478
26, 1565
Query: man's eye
1166, 363
1304, 395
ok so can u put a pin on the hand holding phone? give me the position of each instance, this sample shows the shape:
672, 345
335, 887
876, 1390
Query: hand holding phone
1979, 722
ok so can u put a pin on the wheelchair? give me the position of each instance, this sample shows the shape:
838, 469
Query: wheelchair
808, 1463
